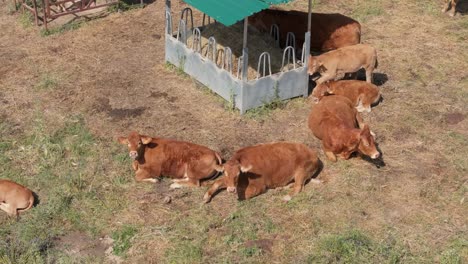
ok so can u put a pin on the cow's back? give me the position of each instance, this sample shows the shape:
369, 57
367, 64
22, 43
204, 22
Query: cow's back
328, 31
171, 156
274, 162
333, 110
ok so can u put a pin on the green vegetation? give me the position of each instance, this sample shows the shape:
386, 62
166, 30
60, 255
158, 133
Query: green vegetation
63, 168
122, 239
47, 82
73, 25
355, 247
26, 19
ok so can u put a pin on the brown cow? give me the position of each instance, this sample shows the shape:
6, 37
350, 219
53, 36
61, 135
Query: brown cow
328, 31
336, 122
362, 94
15, 198
336, 63
185, 162
253, 170
452, 6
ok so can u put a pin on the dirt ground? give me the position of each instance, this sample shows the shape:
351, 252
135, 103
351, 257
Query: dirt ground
111, 71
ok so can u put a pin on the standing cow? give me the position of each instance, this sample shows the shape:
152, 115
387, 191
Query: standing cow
186, 163
335, 64
255, 169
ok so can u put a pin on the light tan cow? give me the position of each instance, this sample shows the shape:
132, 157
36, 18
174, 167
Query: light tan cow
15, 198
362, 94
335, 64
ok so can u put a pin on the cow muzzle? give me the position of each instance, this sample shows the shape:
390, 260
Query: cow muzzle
231, 189
133, 155
376, 155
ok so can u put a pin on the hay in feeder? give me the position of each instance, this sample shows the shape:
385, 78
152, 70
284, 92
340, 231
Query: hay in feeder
232, 37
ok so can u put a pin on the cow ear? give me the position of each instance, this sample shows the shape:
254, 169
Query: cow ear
146, 140
122, 140
365, 130
245, 168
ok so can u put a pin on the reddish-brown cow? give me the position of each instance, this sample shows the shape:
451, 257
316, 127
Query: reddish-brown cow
15, 198
362, 94
328, 31
253, 170
336, 122
185, 162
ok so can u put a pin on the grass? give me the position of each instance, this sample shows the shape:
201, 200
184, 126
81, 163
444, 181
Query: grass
26, 19
355, 247
61, 166
122, 239
47, 82
73, 25
364, 10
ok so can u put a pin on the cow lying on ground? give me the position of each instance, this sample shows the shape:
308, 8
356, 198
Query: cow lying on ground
185, 162
452, 6
336, 122
15, 198
253, 170
362, 94
328, 31
336, 63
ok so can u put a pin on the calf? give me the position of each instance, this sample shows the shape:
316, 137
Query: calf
452, 6
336, 63
336, 122
328, 31
362, 94
253, 170
185, 162
15, 198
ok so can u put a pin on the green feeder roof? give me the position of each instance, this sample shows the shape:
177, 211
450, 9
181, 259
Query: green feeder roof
229, 12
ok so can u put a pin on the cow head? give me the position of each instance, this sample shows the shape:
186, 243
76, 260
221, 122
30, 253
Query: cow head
135, 143
314, 65
320, 91
367, 143
232, 170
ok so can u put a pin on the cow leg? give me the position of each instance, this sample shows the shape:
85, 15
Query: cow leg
10, 209
144, 176
447, 6
5, 207
359, 120
324, 78
300, 177
252, 190
185, 182
217, 185
331, 156
369, 74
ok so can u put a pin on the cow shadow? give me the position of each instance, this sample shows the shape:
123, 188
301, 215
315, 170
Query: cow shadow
37, 200
379, 162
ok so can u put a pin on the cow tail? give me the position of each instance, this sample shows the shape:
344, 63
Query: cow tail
31, 203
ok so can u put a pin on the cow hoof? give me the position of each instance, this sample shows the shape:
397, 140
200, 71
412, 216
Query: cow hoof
315, 181
206, 198
287, 198
175, 185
